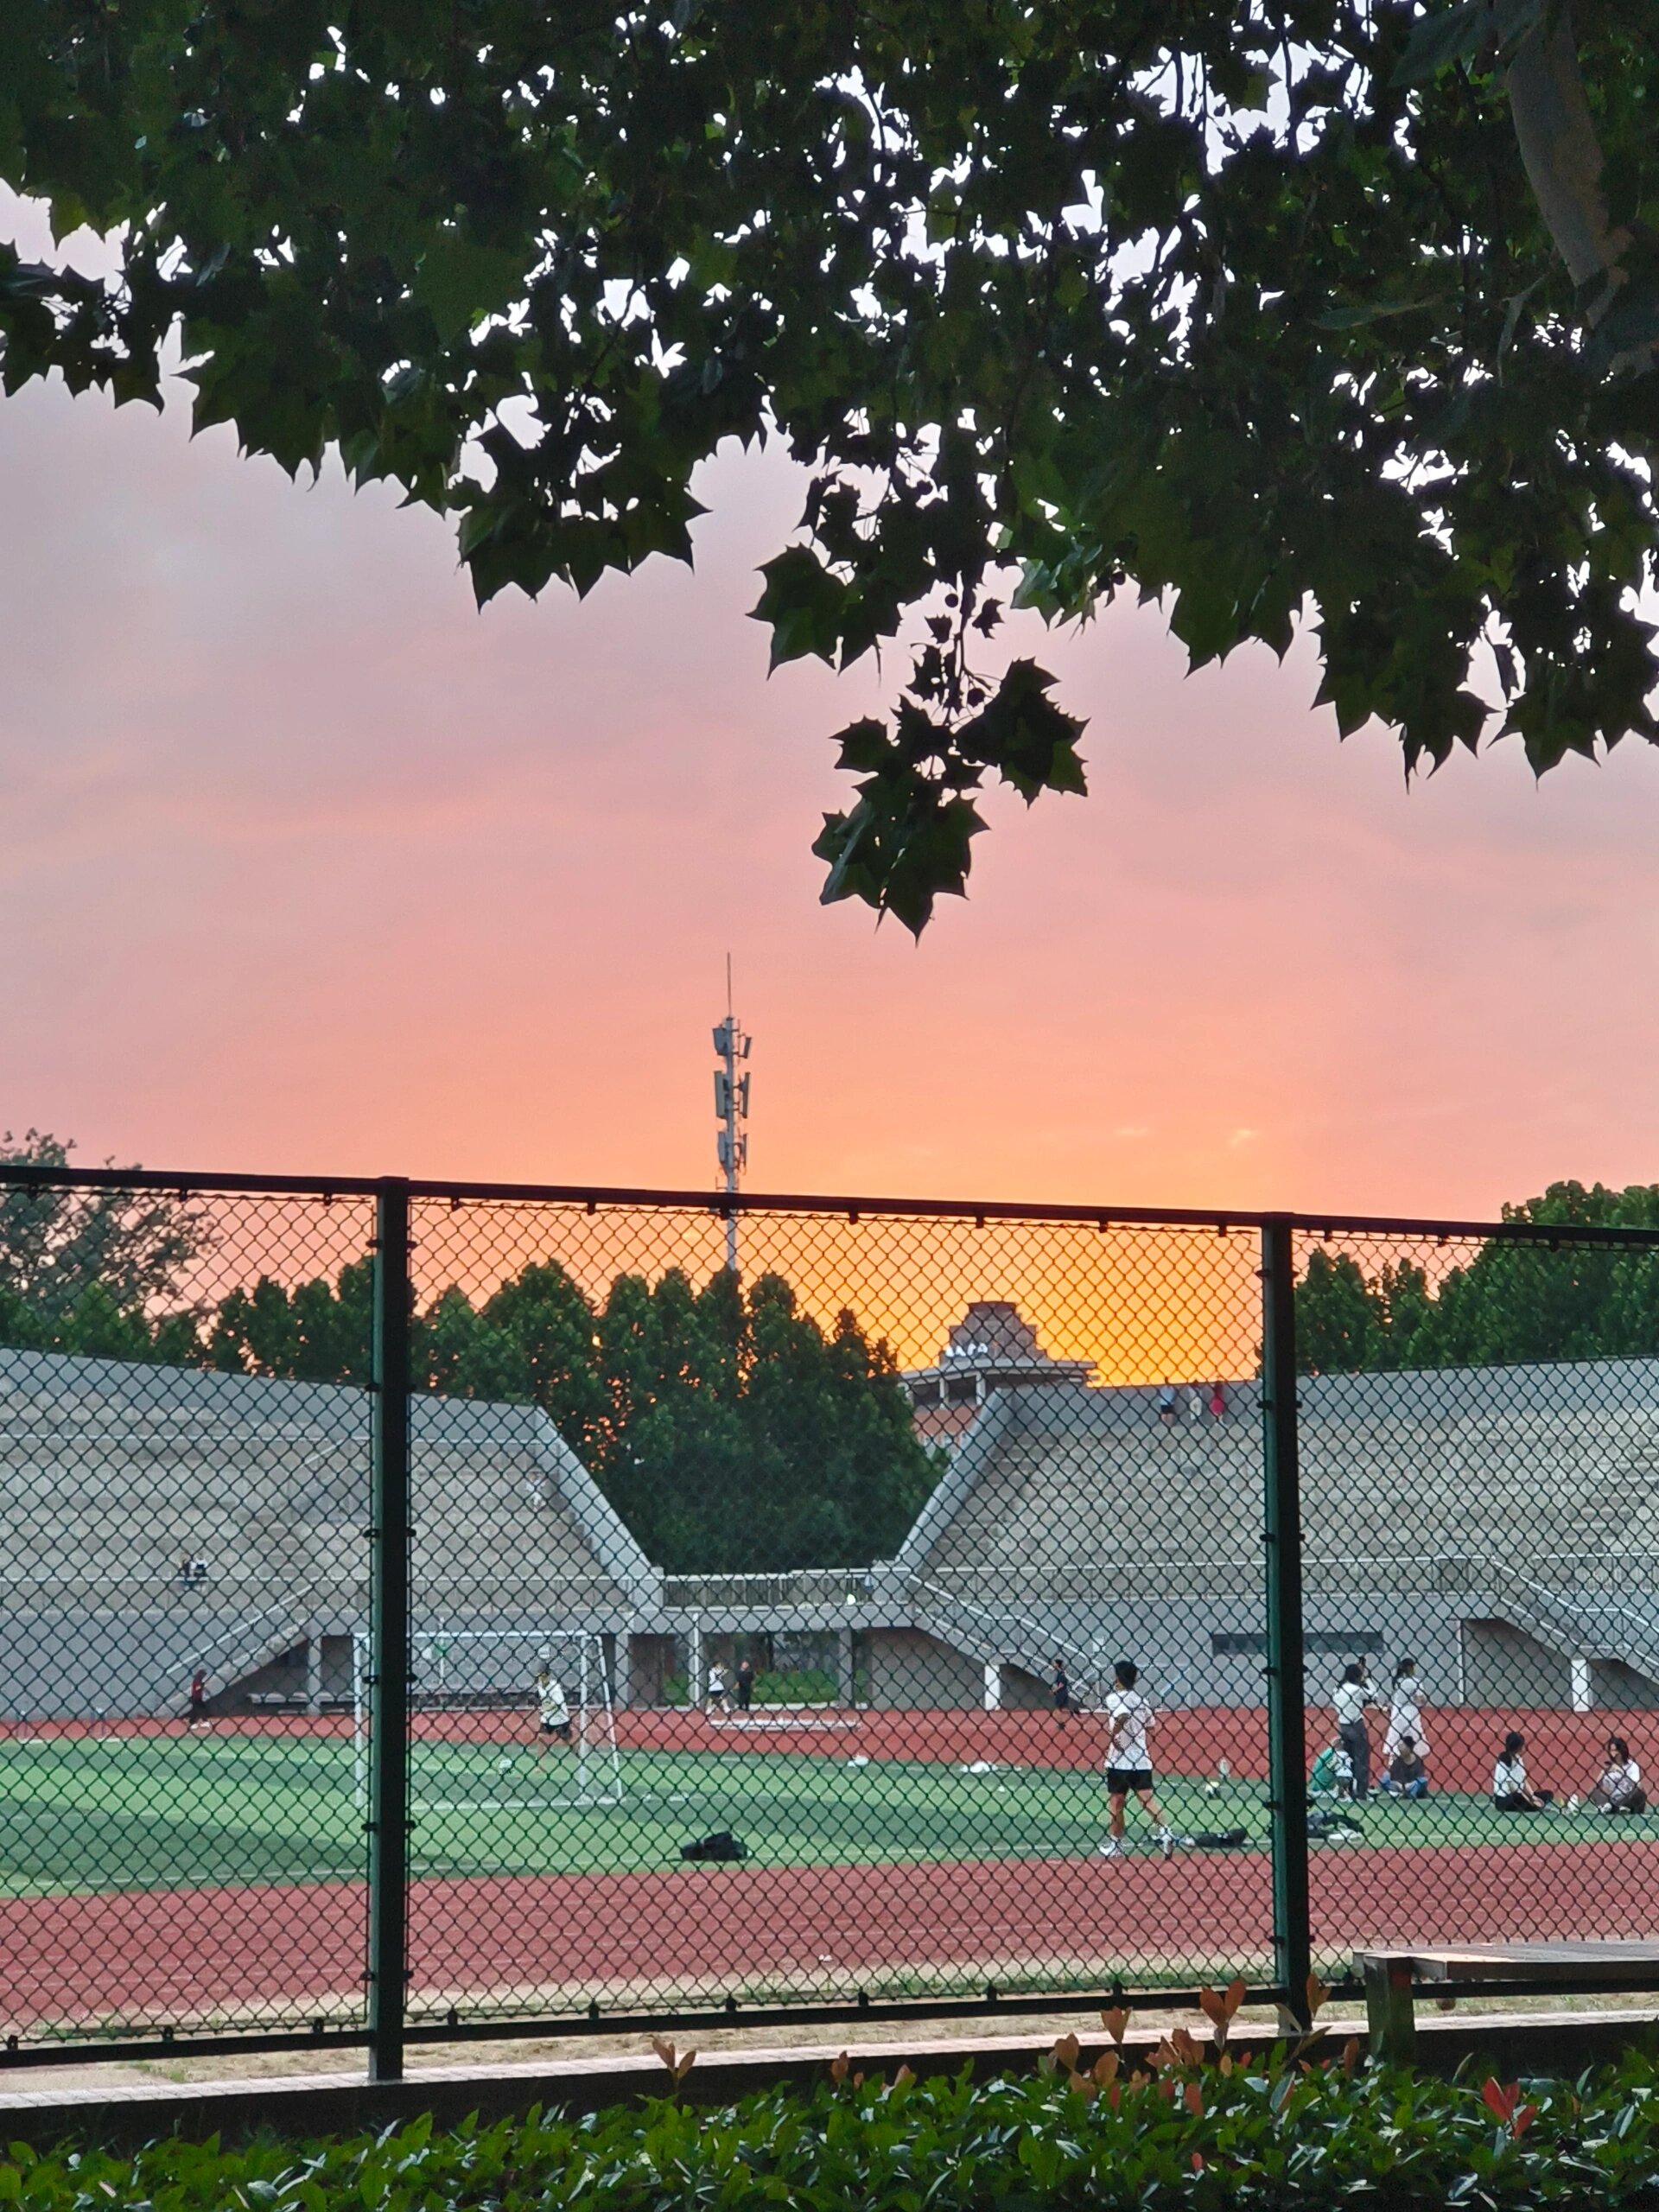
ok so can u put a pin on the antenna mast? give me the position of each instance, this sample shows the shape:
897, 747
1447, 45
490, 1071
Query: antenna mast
731, 1108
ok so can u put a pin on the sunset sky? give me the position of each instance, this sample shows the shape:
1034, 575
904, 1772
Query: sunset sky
309, 865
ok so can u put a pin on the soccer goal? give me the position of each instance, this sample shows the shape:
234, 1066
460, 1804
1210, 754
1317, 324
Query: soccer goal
489, 1672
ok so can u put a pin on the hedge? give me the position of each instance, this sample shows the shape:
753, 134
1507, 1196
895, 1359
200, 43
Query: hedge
1281, 2129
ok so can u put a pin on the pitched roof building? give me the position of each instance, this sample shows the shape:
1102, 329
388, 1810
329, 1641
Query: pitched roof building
993, 1347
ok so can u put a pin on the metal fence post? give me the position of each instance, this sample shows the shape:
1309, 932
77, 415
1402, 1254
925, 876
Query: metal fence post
388, 1634
1283, 1529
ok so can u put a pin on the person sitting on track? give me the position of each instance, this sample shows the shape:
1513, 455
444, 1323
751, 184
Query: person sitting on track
1407, 1777
1619, 1790
1332, 1775
1511, 1792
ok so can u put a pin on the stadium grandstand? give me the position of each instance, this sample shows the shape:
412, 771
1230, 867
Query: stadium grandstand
159, 1522
1498, 1522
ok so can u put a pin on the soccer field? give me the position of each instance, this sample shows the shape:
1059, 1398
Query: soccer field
178, 1812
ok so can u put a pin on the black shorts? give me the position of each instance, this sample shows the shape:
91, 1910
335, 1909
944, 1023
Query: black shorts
1120, 1780
557, 1728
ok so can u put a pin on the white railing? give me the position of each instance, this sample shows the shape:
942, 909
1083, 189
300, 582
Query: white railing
1608, 1630
719, 1594
1013, 1637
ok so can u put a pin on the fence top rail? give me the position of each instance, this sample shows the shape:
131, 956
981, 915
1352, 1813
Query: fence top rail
1220, 1219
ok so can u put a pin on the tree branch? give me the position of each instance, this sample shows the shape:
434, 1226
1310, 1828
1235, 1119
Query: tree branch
1563, 155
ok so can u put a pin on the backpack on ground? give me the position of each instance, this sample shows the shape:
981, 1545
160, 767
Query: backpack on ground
721, 1845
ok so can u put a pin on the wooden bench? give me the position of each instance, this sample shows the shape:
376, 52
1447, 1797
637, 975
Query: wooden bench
1390, 1978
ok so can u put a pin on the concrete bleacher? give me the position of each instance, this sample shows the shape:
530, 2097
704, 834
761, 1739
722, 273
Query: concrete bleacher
1499, 1522
155, 1519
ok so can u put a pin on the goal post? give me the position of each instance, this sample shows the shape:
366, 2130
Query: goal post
491, 1672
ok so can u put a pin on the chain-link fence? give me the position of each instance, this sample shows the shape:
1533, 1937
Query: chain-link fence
184, 1563
769, 1622
1479, 1442
432, 1613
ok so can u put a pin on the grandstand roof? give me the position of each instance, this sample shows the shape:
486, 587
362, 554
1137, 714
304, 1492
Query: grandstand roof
993, 1347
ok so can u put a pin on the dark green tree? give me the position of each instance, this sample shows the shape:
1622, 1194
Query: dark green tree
534, 1341
1515, 1300
1405, 1310
97, 1271
1330, 312
1337, 1315
837, 1405
744, 1438
317, 1332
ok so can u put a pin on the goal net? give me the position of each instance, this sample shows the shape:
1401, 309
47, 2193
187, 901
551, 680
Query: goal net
495, 1676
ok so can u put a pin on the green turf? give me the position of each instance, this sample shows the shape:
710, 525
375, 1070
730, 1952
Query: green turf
166, 1812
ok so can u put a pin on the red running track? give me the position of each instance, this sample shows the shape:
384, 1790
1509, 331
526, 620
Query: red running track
1562, 1748
679, 1936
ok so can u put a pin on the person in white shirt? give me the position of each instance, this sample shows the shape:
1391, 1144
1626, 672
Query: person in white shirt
1511, 1791
552, 1709
1405, 1713
1352, 1695
1619, 1790
717, 1686
1128, 1761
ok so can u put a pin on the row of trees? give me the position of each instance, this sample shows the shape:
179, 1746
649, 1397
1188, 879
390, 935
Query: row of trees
731, 1431
1512, 1301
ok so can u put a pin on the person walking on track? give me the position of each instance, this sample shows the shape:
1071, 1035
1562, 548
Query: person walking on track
1353, 1695
1128, 1761
197, 1716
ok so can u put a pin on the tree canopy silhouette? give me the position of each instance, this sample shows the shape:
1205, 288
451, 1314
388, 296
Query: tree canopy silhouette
1321, 312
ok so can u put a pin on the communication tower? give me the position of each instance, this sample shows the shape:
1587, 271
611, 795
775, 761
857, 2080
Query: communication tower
732, 1107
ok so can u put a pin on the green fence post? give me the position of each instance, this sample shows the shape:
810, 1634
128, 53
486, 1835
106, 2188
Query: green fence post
389, 1641
1282, 1529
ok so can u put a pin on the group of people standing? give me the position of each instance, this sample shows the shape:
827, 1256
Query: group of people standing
1405, 1747
723, 1690
1192, 1400
1617, 1787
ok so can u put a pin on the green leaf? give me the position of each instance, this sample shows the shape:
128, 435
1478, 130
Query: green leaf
1030, 741
804, 604
459, 283
1440, 38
